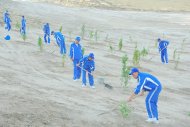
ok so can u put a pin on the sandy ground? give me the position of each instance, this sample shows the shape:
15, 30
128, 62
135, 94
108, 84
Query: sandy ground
142, 5
37, 91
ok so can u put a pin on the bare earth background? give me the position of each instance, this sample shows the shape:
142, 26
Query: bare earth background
151, 5
37, 91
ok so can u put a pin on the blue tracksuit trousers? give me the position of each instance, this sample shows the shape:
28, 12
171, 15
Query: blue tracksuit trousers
151, 102
90, 78
76, 70
23, 30
47, 38
164, 56
8, 26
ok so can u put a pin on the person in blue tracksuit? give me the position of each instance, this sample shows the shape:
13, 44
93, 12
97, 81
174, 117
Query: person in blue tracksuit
60, 40
163, 44
76, 55
88, 66
46, 30
23, 26
7, 21
149, 83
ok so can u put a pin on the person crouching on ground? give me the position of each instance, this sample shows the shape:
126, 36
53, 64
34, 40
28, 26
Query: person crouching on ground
147, 82
163, 45
46, 30
88, 66
60, 40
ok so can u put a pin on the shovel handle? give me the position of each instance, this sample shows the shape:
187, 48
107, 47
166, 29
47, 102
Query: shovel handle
85, 70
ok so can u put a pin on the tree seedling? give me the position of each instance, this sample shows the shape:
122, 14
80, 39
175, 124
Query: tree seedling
60, 29
40, 43
125, 71
124, 109
120, 45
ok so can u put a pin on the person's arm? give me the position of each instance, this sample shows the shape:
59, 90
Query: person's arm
64, 46
133, 95
92, 68
5, 17
137, 89
48, 31
71, 52
167, 43
45, 29
159, 48
22, 24
58, 39
142, 93
8, 20
80, 62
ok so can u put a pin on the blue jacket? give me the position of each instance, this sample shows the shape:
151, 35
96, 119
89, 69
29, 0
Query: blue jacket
163, 45
5, 16
88, 64
75, 51
147, 82
46, 29
7, 19
60, 40
23, 23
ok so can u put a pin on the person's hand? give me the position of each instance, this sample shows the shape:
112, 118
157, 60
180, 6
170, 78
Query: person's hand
133, 95
78, 65
91, 73
141, 94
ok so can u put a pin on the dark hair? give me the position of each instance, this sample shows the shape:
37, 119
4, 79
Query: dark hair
52, 32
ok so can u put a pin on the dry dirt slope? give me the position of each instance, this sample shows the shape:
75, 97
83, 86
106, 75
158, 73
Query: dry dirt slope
35, 90
153, 5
